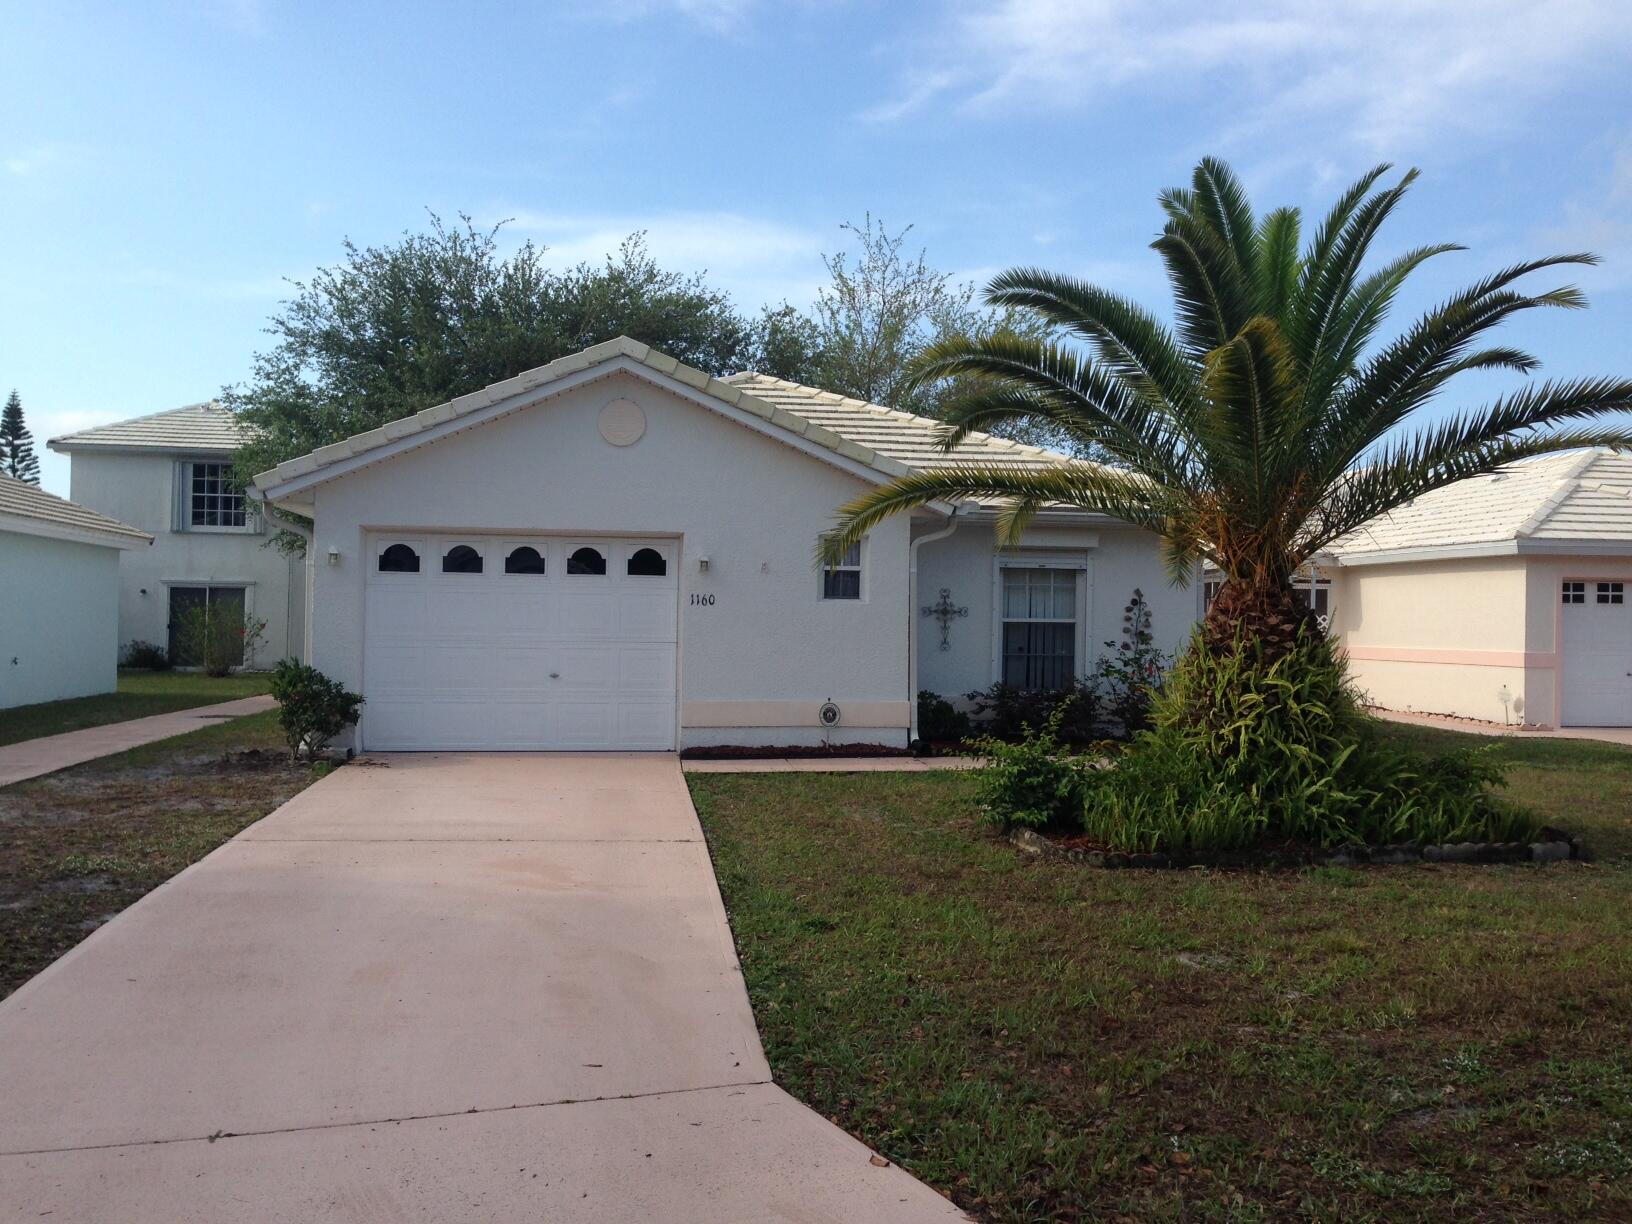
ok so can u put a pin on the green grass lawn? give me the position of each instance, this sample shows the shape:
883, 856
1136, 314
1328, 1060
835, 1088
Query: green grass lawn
1052, 1042
140, 693
78, 846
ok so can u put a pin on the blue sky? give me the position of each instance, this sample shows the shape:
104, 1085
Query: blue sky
165, 166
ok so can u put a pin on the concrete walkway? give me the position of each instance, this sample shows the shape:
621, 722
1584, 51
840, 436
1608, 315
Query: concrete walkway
1605, 735
438, 987
49, 753
900, 764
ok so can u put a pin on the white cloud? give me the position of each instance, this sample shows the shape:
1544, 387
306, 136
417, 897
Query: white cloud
1600, 220
1393, 74
40, 159
756, 261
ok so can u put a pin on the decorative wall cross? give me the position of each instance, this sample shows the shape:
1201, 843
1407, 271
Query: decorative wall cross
945, 611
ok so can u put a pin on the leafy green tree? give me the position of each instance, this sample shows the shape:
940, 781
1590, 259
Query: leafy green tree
1264, 423
393, 329
17, 456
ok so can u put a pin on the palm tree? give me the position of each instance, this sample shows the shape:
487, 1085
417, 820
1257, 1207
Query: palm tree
1257, 429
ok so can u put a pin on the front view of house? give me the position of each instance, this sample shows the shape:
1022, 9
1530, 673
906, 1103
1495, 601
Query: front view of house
614, 551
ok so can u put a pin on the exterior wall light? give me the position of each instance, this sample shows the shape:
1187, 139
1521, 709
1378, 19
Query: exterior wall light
334, 556
702, 564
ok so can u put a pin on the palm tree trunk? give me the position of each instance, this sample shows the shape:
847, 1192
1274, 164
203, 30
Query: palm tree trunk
1243, 613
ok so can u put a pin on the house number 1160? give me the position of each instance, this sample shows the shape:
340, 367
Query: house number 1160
702, 601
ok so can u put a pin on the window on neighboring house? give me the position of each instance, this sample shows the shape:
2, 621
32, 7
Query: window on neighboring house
586, 561
227, 601
1611, 593
1320, 604
1039, 628
842, 580
1575, 592
462, 559
210, 500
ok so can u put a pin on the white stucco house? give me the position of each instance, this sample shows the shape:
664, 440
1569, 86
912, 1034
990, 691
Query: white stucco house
167, 474
59, 595
615, 551
1506, 598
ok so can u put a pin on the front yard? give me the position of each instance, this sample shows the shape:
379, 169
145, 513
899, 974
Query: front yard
139, 694
1050, 1042
78, 846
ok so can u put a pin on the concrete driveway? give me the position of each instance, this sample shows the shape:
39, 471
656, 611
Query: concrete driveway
439, 987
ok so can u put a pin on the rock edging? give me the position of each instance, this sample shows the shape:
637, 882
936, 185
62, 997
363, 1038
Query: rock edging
1554, 846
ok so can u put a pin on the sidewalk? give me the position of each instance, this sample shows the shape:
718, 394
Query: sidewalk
49, 753
1472, 726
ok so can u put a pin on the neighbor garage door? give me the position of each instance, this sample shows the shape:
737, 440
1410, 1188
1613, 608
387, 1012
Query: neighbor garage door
519, 642
1597, 654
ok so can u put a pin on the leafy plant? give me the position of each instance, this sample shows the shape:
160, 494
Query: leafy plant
1131, 672
939, 721
138, 653
1032, 783
1007, 712
218, 637
312, 708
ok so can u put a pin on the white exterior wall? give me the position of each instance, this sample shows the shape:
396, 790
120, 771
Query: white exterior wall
139, 489
756, 665
59, 622
1118, 560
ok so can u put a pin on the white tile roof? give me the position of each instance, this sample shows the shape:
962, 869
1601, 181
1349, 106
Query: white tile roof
890, 443
196, 427
32, 511
1571, 496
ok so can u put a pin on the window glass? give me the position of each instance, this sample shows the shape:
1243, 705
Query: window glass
399, 559
212, 501
648, 563
1611, 593
1575, 592
524, 560
843, 581
1039, 628
462, 559
586, 561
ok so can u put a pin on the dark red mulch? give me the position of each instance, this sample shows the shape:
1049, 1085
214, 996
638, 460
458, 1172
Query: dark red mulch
803, 752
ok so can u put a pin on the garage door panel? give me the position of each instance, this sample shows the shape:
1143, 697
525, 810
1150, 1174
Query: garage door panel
520, 661
1597, 662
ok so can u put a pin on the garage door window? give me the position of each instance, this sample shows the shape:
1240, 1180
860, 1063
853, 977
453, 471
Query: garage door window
462, 559
586, 561
647, 563
1611, 593
399, 559
1575, 592
524, 560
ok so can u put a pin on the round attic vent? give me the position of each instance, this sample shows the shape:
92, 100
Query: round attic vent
622, 422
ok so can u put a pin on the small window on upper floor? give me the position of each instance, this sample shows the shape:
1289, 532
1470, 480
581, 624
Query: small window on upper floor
524, 560
647, 563
1575, 592
399, 559
586, 560
842, 580
462, 559
1611, 592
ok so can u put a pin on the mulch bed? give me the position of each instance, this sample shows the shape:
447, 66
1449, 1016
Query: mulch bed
797, 752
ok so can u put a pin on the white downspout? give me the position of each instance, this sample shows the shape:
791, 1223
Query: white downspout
305, 533
912, 617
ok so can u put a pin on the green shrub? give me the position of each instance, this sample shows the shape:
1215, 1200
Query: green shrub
1031, 783
313, 709
1006, 712
939, 721
217, 638
1241, 753
138, 653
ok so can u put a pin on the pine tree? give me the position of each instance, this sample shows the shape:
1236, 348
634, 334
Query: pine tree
17, 444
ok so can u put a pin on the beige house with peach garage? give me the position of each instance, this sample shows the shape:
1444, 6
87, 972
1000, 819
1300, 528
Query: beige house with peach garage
1506, 598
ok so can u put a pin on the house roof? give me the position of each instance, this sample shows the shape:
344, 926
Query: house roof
195, 427
1554, 503
887, 443
28, 510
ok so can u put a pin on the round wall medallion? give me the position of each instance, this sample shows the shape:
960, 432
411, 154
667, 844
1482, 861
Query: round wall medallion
622, 422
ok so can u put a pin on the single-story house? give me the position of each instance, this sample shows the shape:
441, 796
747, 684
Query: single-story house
59, 596
169, 474
615, 551
1506, 598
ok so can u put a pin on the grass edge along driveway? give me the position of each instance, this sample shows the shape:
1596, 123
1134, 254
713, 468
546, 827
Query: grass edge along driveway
140, 693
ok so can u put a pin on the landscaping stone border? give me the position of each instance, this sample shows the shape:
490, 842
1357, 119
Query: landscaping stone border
1554, 846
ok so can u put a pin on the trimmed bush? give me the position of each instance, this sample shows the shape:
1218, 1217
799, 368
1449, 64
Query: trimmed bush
1243, 754
313, 709
1012, 714
138, 653
1032, 783
939, 721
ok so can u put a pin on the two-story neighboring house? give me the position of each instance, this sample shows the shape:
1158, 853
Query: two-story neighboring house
167, 474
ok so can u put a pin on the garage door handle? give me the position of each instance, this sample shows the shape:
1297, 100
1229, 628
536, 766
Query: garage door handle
555, 675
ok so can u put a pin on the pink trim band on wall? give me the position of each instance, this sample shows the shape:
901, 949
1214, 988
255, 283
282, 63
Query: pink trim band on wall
1461, 658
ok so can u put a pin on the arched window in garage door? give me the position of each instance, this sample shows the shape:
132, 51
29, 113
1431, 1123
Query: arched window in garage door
586, 560
647, 563
399, 559
524, 560
462, 559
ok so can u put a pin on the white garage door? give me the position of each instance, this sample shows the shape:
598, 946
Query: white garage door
520, 642
1597, 654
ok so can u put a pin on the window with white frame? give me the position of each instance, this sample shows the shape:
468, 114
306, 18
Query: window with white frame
1611, 592
842, 579
1039, 628
1575, 592
210, 500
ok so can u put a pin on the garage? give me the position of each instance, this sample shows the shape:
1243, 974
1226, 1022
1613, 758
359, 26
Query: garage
1597, 635
520, 642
